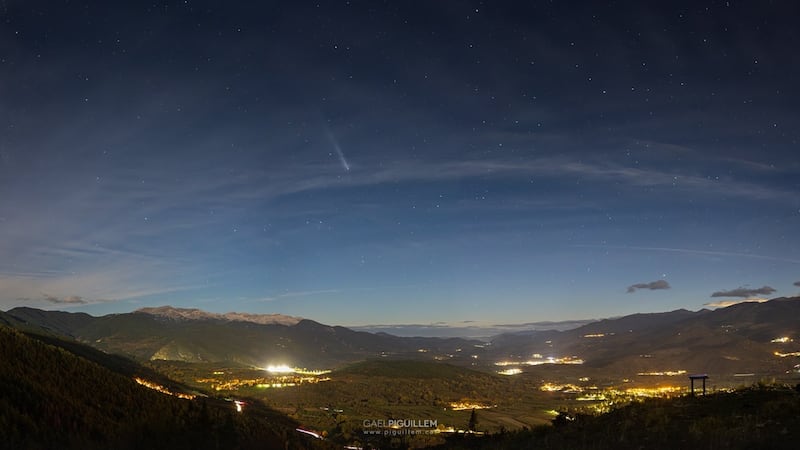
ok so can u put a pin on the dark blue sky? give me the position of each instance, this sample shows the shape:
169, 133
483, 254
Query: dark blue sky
399, 162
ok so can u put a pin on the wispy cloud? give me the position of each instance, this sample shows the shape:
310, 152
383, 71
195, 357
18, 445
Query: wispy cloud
653, 286
797, 283
690, 251
69, 300
93, 285
744, 292
136, 241
216, 189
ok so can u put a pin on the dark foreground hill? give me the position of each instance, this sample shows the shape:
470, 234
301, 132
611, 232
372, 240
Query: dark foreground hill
51, 398
761, 417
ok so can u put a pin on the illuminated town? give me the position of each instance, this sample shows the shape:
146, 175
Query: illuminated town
605, 399
539, 360
666, 373
461, 406
279, 376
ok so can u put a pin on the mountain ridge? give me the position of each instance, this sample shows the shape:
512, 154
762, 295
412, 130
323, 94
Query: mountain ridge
727, 341
740, 338
174, 313
209, 338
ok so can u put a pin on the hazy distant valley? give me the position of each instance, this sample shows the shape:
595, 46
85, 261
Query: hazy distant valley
331, 379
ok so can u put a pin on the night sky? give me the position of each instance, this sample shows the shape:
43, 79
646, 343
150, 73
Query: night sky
399, 162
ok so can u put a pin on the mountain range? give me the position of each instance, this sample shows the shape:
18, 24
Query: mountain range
746, 338
194, 336
198, 314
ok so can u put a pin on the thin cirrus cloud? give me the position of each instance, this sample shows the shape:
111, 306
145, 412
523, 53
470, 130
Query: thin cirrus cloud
744, 292
541, 167
653, 286
120, 280
135, 201
142, 210
256, 185
689, 251
299, 294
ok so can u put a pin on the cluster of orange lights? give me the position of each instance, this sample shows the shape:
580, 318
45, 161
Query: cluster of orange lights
538, 360
666, 373
460, 406
162, 389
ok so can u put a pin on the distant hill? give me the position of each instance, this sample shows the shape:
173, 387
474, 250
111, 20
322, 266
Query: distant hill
726, 341
55, 322
469, 331
193, 336
8, 320
52, 398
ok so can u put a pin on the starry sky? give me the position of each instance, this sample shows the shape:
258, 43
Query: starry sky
407, 162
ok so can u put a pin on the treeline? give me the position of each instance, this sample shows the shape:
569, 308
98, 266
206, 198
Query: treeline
50, 398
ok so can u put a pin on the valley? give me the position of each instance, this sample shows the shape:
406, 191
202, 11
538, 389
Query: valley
343, 385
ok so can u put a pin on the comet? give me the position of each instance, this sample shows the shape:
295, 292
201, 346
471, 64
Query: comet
338, 149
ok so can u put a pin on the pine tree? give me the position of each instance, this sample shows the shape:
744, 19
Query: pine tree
473, 421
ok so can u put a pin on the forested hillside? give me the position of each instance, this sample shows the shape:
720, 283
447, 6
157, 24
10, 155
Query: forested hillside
51, 398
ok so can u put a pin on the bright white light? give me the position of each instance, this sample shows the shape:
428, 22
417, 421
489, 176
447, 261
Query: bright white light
283, 368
